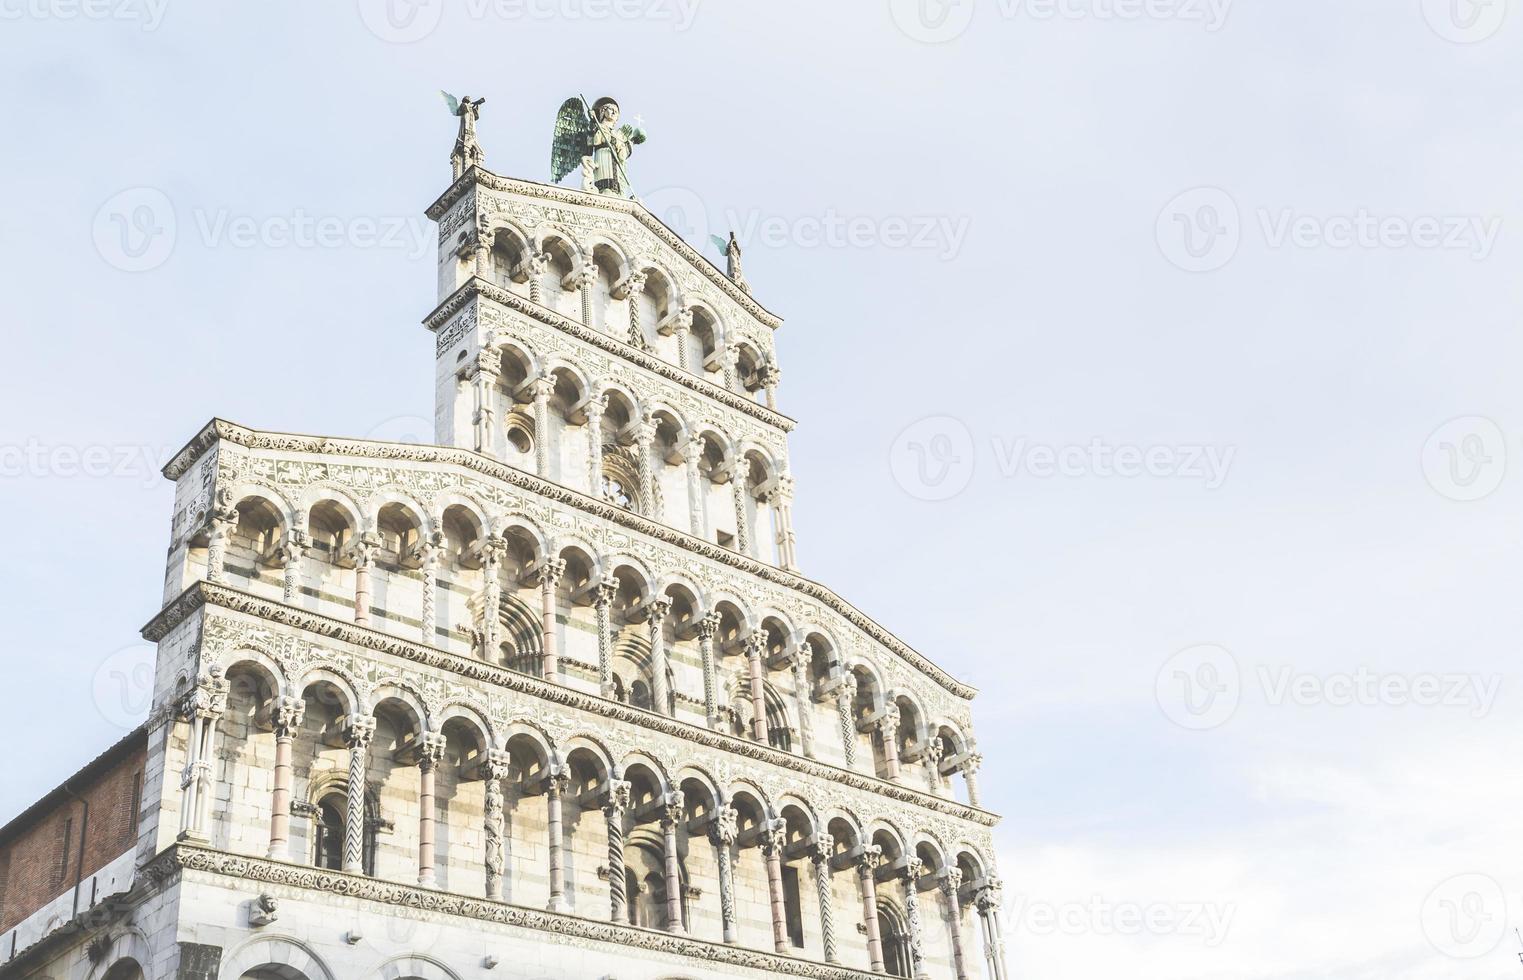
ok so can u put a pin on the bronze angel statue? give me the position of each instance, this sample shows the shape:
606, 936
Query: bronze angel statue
467, 152
593, 139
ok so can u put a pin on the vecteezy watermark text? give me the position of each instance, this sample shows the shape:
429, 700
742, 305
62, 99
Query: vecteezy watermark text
406, 21
1201, 687
147, 13
137, 229
1202, 229
1207, 921
35, 459
937, 21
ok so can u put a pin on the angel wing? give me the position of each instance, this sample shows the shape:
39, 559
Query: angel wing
452, 102
573, 136
720, 244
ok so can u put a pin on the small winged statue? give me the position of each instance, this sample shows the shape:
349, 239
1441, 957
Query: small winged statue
593, 139
467, 152
731, 251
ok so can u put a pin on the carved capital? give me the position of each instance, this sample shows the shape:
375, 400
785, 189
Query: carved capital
708, 626
430, 750
619, 795
726, 826
542, 387
774, 837
869, 860
550, 572
913, 869
604, 592
657, 610
951, 881
358, 732
673, 809
285, 716
988, 898
824, 847
496, 767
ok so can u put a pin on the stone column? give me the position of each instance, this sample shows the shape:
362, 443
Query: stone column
867, 870
888, 730
555, 785
969, 775
730, 360
285, 719
707, 627
913, 867
770, 376
681, 326
824, 851
692, 452
803, 697
723, 833
361, 553
490, 552
660, 688
431, 553
549, 577
493, 771
739, 478
535, 268
846, 698
633, 287
987, 901
488, 371
614, 810
603, 595
951, 881
430, 754
596, 406
357, 734
202, 707
290, 556
774, 837
645, 437
755, 644
933, 755
787, 551
543, 388
671, 815
223, 523
585, 281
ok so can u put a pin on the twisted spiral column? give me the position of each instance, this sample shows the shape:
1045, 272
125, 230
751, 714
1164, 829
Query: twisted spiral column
614, 810
358, 733
824, 847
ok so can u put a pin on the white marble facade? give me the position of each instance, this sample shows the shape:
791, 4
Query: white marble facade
549, 698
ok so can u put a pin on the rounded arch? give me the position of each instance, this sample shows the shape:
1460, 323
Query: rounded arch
274, 958
399, 700
415, 966
127, 949
267, 675
332, 683
468, 719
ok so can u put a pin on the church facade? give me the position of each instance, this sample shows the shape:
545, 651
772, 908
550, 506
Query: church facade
548, 698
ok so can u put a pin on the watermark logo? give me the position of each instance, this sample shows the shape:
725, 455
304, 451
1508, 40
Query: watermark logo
134, 230
36, 460
1465, 459
932, 21
1200, 687
401, 21
1200, 230
1207, 463
1465, 916
933, 459
122, 686
1465, 21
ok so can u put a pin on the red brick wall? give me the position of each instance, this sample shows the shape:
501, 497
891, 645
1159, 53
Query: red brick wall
35, 866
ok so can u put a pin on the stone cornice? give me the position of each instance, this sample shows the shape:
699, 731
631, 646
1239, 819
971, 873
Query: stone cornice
203, 594
182, 859
238, 435
476, 286
565, 195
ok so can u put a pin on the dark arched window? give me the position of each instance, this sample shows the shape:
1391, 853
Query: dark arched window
329, 825
778, 734
897, 960
328, 840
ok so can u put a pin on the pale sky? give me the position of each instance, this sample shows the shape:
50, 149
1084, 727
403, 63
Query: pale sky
1156, 365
